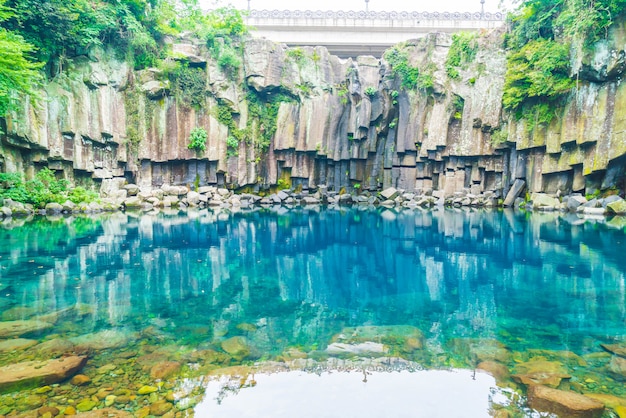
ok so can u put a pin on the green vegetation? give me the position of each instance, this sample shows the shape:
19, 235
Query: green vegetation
402, 68
261, 124
462, 51
197, 139
499, 136
44, 188
18, 73
370, 91
409, 75
457, 107
38, 35
264, 112
188, 84
539, 71
232, 146
542, 37
296, 54
343, 93
224, 30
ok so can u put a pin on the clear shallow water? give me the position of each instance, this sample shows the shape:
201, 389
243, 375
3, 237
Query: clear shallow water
444, 283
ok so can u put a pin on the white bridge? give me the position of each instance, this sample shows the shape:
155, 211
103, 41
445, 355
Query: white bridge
352, 33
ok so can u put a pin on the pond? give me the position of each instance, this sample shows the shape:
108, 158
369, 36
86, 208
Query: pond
263, 312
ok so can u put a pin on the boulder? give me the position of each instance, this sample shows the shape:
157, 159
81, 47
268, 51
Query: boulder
544, 201
132, 202
617, 367
514, 192
563, 403
390, 193
592, 210
69, 206
574, 201
193, 198
39, 373
131, 189
9, 329
53, 207
617, 207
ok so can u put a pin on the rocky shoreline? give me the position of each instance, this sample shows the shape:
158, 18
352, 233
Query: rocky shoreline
123, 197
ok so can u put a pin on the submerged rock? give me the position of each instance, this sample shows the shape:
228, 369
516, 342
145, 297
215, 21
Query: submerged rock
563, 403
238, 347
104, 413
617, 349
37, 373
53, 348
102, 340
541, 372
497, 370
365, 348
10, 329
164, 369
617, 367
16, 344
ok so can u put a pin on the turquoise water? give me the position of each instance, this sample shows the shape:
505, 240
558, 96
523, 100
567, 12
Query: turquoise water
440, 281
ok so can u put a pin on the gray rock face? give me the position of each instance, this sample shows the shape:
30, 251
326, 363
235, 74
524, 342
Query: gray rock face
112, 123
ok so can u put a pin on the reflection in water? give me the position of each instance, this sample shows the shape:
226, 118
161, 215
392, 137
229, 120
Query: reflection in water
348, 394
285, 279
311, 273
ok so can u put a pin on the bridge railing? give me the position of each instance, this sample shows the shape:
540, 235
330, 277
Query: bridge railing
373, 15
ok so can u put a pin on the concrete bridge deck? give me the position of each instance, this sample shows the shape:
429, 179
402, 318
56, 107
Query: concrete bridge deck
352, 33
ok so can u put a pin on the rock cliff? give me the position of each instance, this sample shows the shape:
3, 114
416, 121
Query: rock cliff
341, 123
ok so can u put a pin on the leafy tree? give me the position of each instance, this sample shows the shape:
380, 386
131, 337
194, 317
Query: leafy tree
19, 74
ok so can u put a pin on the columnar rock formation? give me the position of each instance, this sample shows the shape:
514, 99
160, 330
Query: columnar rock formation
349, 123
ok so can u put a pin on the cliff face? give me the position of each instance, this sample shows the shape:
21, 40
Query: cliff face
348, 123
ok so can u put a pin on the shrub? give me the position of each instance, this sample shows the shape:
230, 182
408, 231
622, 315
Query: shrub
462, 51
371, 91
538, 72
232, 146
197, 139
402, 68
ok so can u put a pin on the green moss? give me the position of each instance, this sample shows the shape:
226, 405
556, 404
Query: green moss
262, 116
188, 85
134, 118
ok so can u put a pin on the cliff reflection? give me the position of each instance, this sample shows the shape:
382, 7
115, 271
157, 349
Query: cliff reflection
303, 275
